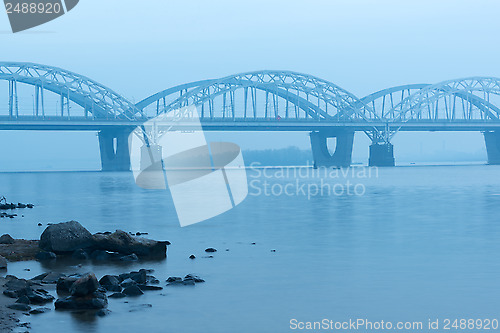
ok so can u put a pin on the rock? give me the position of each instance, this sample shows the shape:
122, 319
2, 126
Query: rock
109, 280
3, 263
139, 277
21, 205
94, 301
110, 283
23, 300
80, 254
52, 278
85, 285
64, 283
130, 257
6, 239
151, 279
30, 205
174, 279
273, 250
132, 291
39, 277
122, 242
210, 250
117, 295
192, 256
39, 297
140, 307
188, 282
196, 278
39, 224
145, 287
44, 255
128, 282
102, 312
19, 307
100, 255
39, 310
65, 237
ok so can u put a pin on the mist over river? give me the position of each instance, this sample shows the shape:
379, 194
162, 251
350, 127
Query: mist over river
413, 243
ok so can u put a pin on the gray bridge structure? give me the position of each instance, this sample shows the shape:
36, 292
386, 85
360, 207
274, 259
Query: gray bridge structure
45, 98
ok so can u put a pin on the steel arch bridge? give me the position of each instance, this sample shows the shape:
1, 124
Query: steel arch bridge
96, 100
254, 101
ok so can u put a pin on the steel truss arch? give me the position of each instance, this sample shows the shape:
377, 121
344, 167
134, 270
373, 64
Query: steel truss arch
474, 94
92, 96
330, 102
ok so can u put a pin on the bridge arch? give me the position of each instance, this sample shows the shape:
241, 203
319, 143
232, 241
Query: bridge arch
468, 100
302, 97
93, 97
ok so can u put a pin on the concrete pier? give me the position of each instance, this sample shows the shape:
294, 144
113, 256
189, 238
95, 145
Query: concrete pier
381, 155
113, 145
492, 140
343, 151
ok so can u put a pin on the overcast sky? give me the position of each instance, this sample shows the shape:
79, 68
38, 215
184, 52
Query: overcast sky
141, 47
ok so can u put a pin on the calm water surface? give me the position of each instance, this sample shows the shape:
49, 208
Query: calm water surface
421, 242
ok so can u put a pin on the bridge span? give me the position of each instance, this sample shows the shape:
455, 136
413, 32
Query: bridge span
39, 97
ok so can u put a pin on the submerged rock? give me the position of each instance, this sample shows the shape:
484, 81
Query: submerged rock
133, 290
44, 255
94, 301
39, 310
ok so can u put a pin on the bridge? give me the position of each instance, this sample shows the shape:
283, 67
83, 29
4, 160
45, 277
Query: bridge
40, 97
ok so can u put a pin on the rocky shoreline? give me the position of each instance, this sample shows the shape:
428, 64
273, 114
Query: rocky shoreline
77, 292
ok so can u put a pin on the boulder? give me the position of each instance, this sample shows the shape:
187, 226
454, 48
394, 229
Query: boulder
109, 280
3, 263
6, 239
110, 283
210, 250
117, 295
124, 243
85, 285
65, 237
64, 283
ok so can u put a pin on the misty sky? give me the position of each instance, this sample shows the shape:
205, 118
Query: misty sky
141, 47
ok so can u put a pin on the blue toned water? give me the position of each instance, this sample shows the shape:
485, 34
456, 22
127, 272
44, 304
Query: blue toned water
420, 242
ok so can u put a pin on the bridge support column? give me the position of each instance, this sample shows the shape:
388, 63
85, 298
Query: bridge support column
343, 151
113, 145
381, 155
492, 140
